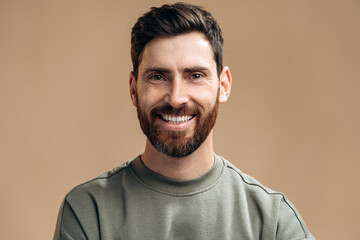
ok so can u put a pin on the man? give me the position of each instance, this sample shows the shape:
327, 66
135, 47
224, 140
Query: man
178, 188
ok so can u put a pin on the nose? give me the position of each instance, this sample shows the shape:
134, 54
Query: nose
177, 93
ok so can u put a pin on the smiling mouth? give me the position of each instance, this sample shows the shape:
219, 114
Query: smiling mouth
176, 119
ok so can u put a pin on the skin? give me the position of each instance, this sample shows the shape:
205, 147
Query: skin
179, 71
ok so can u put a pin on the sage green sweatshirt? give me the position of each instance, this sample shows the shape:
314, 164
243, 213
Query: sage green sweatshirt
132, 202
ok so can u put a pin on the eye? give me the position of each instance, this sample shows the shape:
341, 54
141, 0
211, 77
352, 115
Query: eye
196, 76
156, 77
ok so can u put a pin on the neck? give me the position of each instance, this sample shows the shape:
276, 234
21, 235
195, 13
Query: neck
184, 168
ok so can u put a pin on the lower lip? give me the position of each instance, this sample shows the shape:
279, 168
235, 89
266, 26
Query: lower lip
176, 127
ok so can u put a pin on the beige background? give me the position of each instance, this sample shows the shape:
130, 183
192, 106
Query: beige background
292, 120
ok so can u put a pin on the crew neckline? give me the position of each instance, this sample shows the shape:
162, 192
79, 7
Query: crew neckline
169, 186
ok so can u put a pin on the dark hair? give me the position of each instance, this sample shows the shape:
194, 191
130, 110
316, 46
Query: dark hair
171, 20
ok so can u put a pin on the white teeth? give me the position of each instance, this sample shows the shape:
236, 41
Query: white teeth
176, 119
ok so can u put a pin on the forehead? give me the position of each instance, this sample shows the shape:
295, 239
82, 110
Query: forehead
182, 50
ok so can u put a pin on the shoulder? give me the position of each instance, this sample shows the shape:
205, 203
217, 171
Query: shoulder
250, 184
100, 184
269, 205
82, 206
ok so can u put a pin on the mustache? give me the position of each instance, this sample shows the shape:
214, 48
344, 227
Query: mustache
167, 109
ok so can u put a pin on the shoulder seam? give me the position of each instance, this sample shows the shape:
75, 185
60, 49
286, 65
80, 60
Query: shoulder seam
117, 171
271, 193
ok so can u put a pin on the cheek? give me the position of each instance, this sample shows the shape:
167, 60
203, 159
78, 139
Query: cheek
206, 98
148, 98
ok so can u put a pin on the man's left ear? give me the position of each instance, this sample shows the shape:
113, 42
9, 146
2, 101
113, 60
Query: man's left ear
225, 85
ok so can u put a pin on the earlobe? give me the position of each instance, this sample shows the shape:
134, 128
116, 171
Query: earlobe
132, 87
225, 85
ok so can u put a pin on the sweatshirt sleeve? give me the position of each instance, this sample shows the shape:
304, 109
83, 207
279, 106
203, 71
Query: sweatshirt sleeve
291, 226
68, 227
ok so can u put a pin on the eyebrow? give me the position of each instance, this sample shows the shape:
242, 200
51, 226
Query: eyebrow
157, 70
196, 69
166, 71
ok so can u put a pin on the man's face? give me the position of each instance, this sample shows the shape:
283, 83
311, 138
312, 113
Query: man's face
177, 93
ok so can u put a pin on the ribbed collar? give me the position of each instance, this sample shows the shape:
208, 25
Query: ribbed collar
174, 187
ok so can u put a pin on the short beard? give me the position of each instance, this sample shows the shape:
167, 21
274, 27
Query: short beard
174, 143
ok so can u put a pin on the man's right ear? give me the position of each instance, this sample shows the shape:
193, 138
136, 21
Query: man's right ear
132, 86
